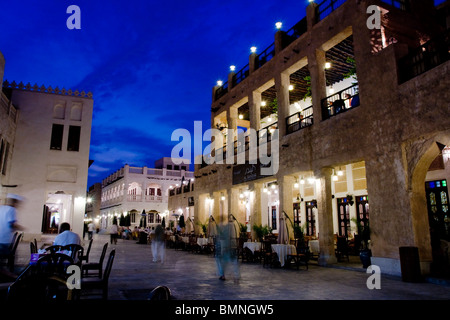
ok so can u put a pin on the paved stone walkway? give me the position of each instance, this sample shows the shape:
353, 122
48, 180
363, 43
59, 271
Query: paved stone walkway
192, 276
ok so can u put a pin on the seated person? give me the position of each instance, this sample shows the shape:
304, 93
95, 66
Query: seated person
66, 237
355, 101
338, 105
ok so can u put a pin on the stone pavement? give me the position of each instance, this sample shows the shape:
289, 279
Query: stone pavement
192, 276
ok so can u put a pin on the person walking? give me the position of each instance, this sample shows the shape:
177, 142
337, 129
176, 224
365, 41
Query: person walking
8, 225
158, 249
114, 231
91, 229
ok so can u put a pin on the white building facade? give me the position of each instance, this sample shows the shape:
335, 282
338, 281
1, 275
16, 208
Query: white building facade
46, 155
131, 190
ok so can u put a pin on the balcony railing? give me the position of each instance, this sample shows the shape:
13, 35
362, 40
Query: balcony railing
295, 32
265, 134
399, 4
426, 57
241, 75
221, 91
299, 120
265, 56
153, 198
340, 102
326, 7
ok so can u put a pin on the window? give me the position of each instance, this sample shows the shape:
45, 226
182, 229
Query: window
176, 168
57, 137
73, 143
169, 167
183, 168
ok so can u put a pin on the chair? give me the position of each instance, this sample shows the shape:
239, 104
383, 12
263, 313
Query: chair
85, 257
76, 251
342, 248
268, 257
34, 287
11, 256
53, 249
100, 283
33, 248
98, 266
54, 264
301, 257
160, 293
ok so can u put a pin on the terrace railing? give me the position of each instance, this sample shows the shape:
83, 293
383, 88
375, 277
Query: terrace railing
399, 4
425, 57
221, 91
299, 120
326, 7
265, 56
295, 32
241, 75
340, 102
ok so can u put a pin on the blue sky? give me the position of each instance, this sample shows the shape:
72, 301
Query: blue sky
150, 65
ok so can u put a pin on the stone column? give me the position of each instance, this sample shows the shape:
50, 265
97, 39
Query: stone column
216, 206
325, 216
254, 105
233, 202
285, 192
316, 66
255, 205
232, 117
282, 82
311, 15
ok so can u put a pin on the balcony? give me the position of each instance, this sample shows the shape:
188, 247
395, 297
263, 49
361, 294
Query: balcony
299, 120
340, 102
425, 57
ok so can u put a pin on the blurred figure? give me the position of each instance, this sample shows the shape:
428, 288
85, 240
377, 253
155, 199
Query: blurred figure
91, 229
226, 250
158, 249
66, 236
114, 233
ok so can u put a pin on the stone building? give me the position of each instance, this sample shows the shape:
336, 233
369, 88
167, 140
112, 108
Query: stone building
131, 190
45, 136
354, 116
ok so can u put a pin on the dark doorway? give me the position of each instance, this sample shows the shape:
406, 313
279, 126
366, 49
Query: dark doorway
439, 220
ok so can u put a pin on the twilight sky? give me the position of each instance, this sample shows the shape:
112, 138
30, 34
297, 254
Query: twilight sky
150, 65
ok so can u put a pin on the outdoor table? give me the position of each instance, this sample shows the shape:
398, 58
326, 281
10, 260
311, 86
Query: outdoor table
282, 250
185, 239
252, 246
202, 241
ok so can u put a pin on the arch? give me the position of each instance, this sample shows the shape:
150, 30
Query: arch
420, 156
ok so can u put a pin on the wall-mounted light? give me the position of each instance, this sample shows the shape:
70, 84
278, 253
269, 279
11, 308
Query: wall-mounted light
340, 172
241, 116
278, 25
311, 180
219, 83
334, 177
291, 87
232, 68
302, 181
327, 65
263, 103
253, 49
296, 185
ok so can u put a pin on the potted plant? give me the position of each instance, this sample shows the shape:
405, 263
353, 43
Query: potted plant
260, 231
243, 231
204, 227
